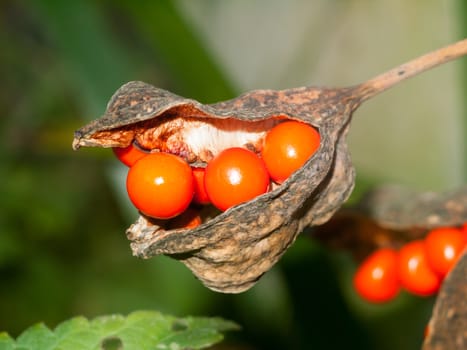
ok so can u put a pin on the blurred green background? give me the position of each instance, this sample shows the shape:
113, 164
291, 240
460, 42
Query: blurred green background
63, 214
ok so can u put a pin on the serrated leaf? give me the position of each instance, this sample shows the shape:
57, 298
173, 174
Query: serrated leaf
37, 336
140, 330
196, 333
6, 342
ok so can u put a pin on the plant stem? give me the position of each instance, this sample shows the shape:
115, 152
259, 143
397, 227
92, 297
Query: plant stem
386, 80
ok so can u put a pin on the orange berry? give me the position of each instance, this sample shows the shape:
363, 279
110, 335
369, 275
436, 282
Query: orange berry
129, 155
234, 176
464, 228
415, 274
443, 248
376, 278
287, 146
201, 196
188, 219
160, 185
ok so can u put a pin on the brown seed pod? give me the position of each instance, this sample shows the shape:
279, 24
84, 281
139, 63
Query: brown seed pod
230, 251
391, 216
400, 208
448, 323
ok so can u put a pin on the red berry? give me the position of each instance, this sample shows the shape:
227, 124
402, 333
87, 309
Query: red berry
415, 274
129, 155
234, 176
464, 228
188, 219
443, 247
376, 278
201, 196
287, 146
160, 185
426, 331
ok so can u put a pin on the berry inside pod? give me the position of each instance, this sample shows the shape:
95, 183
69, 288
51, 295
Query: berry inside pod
230, 250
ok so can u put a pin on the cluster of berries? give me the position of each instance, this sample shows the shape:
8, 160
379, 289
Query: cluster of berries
164, 186
418, 266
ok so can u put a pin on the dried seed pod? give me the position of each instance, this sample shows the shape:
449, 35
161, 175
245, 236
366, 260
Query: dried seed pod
448, 323
391, 216
230, 251
400, 208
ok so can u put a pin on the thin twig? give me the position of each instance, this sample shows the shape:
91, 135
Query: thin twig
407, 70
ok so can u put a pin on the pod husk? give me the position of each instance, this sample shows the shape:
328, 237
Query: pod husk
231, 251
400, 208
447, 328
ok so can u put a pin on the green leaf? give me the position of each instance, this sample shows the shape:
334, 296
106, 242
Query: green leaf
37, 336
140, 330
6, 342
195, 333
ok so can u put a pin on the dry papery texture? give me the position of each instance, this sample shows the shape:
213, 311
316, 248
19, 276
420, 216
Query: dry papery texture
407, 215
391, 216
448, 324
230, 251
400, 208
